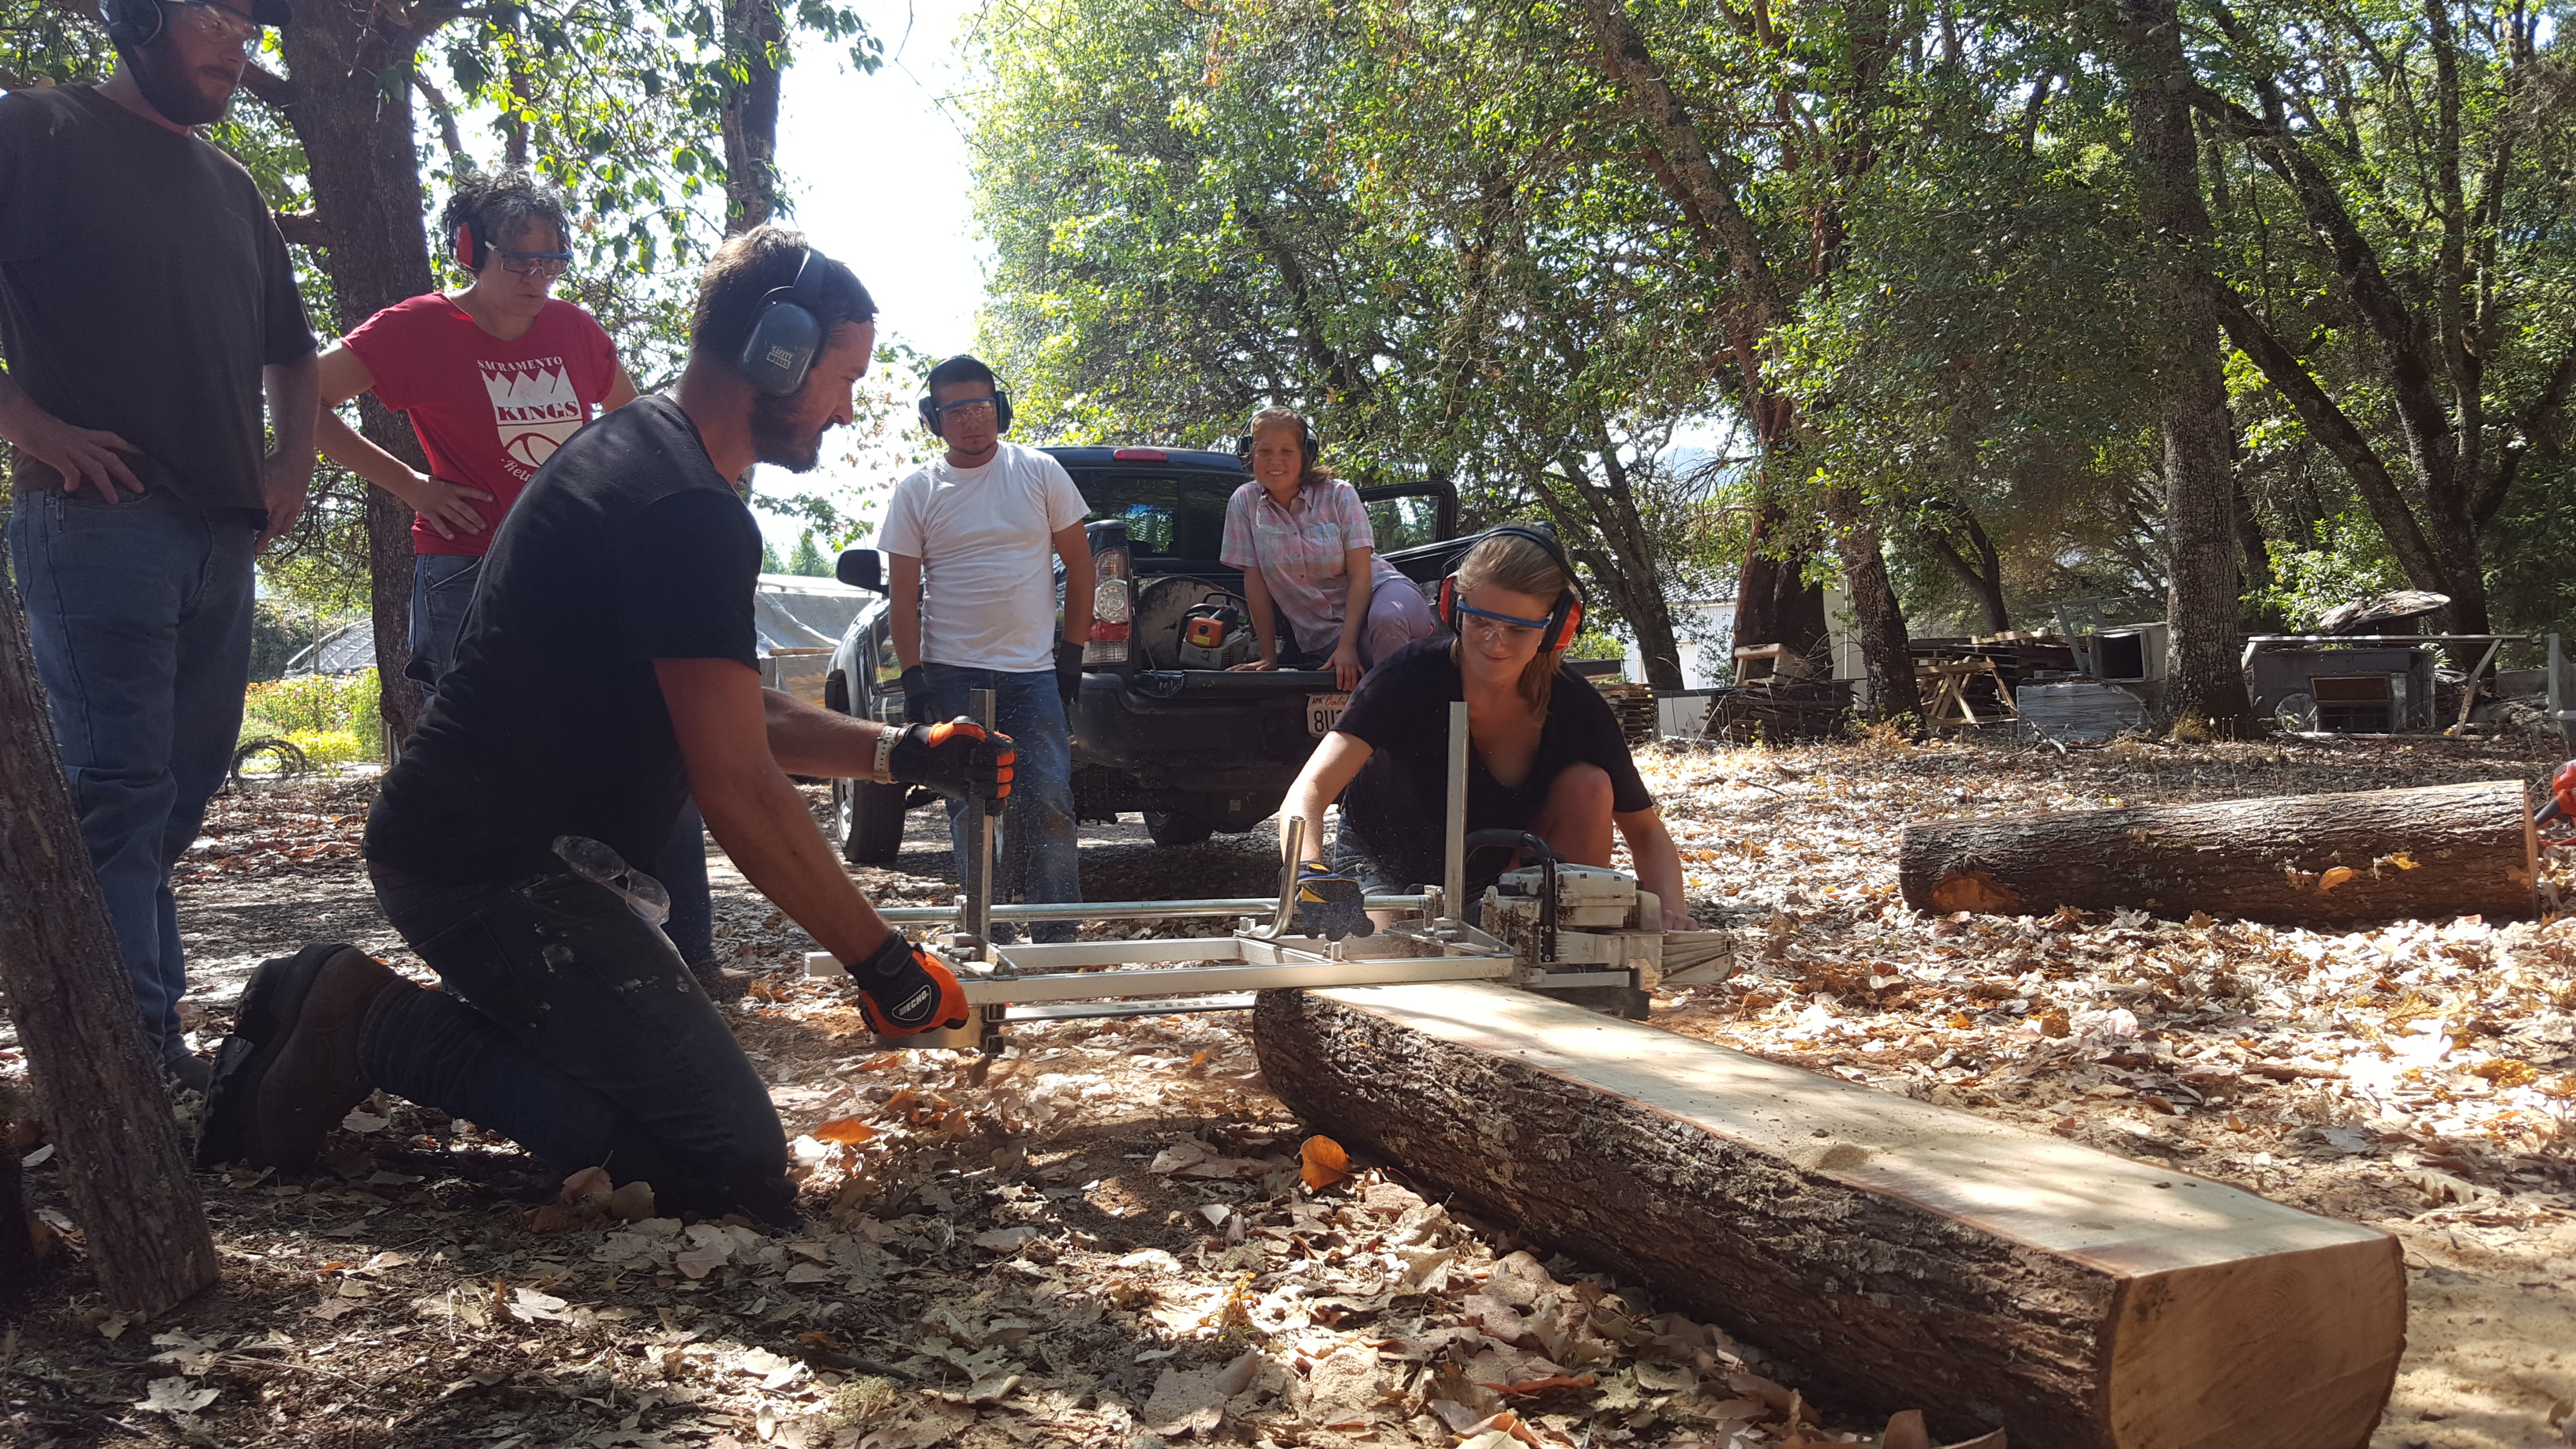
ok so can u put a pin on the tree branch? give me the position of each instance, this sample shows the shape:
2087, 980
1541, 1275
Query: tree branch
446, 113
302, 229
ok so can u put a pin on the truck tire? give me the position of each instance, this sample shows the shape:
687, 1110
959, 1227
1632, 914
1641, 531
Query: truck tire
1172, 827
868, 818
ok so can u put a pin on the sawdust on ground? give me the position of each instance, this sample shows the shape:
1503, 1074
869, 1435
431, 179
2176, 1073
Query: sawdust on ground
1102, 1237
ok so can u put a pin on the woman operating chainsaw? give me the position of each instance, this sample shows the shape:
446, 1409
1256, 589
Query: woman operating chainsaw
1302, 539
1545, 753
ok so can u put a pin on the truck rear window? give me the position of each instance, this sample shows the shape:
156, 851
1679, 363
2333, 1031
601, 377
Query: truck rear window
1168, 514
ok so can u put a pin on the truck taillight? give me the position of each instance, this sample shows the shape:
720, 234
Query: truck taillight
1113, 598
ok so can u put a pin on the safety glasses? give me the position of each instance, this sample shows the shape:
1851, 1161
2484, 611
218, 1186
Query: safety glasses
223, 22
965, 409
534, 264
1505, 625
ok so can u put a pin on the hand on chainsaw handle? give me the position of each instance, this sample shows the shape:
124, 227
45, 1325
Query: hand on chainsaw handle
1329, 903
959, 759
903, 992
2562, 797
1068, 672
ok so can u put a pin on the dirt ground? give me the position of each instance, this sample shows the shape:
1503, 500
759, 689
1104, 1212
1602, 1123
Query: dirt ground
1101, 1237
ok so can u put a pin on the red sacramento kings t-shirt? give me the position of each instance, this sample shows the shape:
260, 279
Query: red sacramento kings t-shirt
488, 411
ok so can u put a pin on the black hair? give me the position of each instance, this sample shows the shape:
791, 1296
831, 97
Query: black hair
502, 205
751, 266
961, 368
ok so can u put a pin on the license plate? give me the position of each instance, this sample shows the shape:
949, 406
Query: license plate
1323, 711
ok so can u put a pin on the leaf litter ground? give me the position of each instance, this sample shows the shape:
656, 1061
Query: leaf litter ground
1107, 1236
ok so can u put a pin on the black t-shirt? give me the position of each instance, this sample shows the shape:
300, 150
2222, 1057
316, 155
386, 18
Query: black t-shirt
142, 288
627, 547
1398, 803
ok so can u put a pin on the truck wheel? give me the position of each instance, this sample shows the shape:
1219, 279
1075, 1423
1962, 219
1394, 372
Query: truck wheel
868, 818
1171, 827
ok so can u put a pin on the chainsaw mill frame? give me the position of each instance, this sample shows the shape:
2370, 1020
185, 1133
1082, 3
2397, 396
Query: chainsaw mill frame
1162, 977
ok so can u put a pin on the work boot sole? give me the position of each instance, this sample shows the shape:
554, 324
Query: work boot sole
270, 1006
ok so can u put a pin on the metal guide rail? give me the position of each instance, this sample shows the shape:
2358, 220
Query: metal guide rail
1084, 979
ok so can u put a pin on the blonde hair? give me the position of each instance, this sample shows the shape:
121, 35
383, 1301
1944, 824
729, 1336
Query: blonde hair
1312, 470
1519, 565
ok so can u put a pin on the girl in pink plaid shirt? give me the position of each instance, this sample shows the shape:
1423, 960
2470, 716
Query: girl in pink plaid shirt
1302, 539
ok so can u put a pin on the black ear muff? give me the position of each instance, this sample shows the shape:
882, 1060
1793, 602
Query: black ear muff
134, 24
786, 333
1309, 446
1564, 619
1001, 412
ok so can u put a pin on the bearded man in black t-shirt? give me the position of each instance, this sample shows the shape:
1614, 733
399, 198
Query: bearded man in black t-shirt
606, 670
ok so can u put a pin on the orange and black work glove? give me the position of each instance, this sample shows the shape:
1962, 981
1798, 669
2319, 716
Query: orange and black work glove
959, 759
903, 991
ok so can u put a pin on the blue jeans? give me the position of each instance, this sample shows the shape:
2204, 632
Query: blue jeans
140, 614
576, 1031
1037, 859
442, 585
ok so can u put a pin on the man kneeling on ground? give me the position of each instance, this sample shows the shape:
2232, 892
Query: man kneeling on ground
606, 670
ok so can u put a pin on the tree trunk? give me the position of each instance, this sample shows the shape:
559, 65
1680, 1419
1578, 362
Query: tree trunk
350, 106
67, 994
1983, 579
2204, 677
1881, 619
750, 121
1774, 603
2298, 860
1901, 1255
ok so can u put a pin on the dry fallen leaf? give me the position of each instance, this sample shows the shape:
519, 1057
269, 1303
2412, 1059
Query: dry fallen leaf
1324, 1163
2334, 877
1905, 1431
847, 1131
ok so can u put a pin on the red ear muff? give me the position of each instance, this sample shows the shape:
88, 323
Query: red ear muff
1447, 609
469, 248
1569, 622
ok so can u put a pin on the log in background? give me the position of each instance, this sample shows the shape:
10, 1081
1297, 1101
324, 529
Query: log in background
1900, 1255
2429, 854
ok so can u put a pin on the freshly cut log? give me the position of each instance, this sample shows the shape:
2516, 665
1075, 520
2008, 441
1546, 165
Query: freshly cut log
1902, 1255
2300, 860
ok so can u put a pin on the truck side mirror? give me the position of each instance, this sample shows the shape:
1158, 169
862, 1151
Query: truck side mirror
860, 569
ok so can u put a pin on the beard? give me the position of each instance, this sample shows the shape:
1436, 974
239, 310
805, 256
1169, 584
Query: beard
782, 438
178, 93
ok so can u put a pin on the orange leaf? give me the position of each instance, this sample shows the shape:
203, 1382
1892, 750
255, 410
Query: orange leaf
2334, 877
1325, 1163
847, 1131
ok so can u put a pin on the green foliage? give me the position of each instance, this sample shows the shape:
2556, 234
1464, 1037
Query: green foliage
770, 562
2346, 559
808, 560
1597, 644
317, 706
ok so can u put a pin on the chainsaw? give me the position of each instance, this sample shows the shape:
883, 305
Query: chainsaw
2561, 807
1215, 635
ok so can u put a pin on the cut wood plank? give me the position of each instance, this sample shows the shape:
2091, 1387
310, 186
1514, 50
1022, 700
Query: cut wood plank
1902, 1255
2306, 860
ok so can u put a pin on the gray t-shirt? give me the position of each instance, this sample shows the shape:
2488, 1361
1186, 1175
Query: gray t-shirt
142, 288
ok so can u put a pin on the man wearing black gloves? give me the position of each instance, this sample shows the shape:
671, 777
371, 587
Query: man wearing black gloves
975, 608
607, 669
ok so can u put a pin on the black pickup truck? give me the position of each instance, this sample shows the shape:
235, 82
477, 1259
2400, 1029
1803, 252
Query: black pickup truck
1194, 750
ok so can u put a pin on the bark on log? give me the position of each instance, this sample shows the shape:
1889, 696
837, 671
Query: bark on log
1902, 1255
2300, 860
68, 996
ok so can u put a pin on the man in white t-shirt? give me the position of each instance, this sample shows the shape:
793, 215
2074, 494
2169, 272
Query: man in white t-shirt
975, 608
